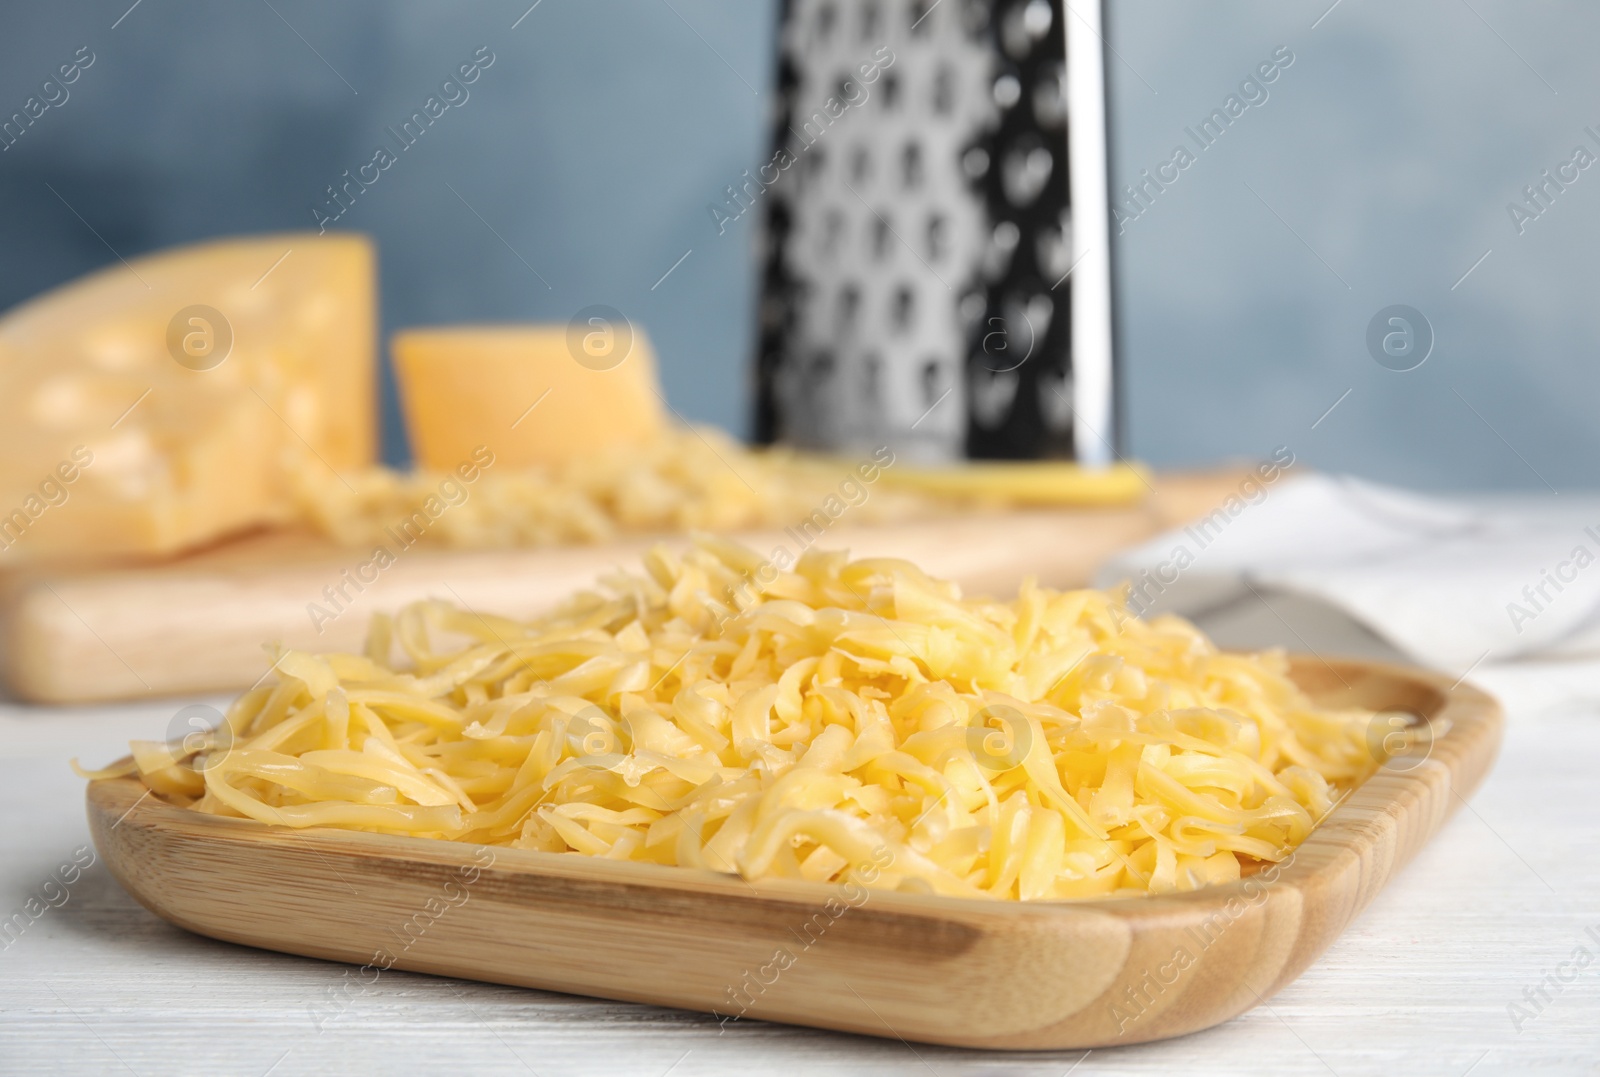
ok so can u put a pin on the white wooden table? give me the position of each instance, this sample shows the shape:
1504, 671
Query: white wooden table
1421, 984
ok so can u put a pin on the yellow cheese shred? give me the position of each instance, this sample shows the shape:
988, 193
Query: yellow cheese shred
778, 720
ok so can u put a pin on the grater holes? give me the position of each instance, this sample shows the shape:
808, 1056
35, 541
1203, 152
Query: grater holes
902, 308
1049, 97
911, 170
975, 18
1023, 25
992, 395
1002, 245
944, 90
821, 371
872, 379
891, 91
871, 20
881, 237
1036, 18
849, 305
938, 236
1055, 400
1007, 91
860, 165
816, 162
972, 306
832, 232
1054, 249
1029, 317
1025, 169
827, 19
932, 379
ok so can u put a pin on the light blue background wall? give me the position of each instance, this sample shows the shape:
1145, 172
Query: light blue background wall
1392, 147
1381, 167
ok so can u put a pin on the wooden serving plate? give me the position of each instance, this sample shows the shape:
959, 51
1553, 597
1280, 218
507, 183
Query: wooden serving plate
941, 970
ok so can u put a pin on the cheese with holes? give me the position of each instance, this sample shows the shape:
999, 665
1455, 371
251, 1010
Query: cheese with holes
534, 395
165, 402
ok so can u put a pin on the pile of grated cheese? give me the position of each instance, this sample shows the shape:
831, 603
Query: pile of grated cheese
796, 721
687, 479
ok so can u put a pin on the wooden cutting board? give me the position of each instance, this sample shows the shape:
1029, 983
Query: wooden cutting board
198, 624
1014, 975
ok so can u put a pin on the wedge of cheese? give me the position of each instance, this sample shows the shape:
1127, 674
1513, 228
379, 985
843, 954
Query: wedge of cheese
163, 403
537, 394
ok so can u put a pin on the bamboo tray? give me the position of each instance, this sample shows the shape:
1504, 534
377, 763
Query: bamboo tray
940, 970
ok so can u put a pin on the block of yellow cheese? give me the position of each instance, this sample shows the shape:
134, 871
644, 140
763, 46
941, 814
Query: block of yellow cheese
534, 394
162, 403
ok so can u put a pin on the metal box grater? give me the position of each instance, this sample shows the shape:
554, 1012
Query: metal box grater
926, 281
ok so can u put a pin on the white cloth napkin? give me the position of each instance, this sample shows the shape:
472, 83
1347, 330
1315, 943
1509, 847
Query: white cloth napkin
1451, 582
